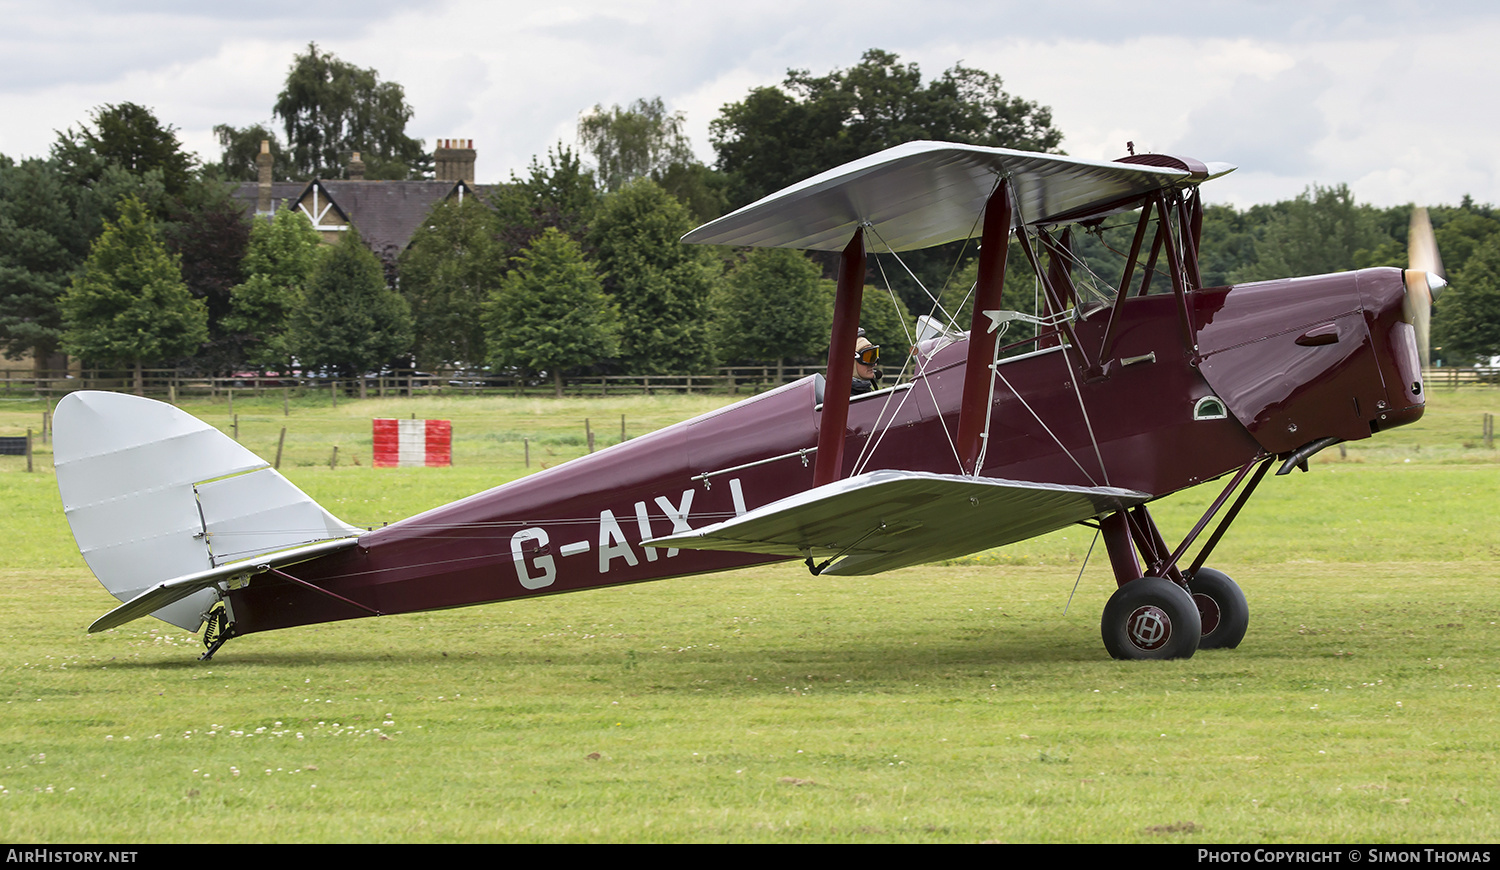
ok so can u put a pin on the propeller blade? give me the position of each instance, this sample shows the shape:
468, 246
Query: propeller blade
1421, 244
1424, 280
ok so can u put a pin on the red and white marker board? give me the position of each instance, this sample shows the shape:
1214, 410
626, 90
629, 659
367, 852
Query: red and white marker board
408, 443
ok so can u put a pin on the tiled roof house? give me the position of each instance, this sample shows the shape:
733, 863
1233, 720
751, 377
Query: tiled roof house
387, 213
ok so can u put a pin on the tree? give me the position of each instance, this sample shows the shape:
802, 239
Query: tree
647, 141
776, 137
886, 322
550, 314
1461, 231
771, 308
349, 321
1466, 322
560, 193
50, 212
1323, 230
279, 264
129, 136
661, 286
703, 190
45, 240
241, 153
638, 142
449, 270
1227, 246
331, 108
130, 154
209, 233
129, 305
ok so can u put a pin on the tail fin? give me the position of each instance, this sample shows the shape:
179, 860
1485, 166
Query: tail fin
154, 494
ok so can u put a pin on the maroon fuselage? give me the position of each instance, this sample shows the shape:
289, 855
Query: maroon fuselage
1289, 362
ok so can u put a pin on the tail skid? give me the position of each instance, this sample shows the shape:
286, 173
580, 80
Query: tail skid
169, 511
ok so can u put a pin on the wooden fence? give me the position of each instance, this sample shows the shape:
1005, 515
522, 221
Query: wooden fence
1460, 377
172, 383
730, 380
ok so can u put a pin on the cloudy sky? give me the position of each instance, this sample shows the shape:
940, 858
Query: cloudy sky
1396, 98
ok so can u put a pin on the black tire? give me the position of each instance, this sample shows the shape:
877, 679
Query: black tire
1222, 607
1151, 618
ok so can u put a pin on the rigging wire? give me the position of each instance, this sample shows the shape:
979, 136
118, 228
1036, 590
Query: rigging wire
1066, 452
1080, 571
1068, 366
1087, 422
867, 452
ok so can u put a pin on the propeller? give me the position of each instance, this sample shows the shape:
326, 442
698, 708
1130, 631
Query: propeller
1424, 280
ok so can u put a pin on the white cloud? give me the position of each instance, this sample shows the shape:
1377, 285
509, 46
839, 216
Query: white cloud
1386, 95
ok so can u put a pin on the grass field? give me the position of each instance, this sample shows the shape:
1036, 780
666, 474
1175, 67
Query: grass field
955, 703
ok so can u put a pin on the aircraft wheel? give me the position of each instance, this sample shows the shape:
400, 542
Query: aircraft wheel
1222, 607
1151, 618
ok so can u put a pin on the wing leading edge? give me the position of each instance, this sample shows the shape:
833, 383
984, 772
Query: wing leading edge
922, 194
885, 520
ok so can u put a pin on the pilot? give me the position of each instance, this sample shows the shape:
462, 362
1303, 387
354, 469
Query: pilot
866, 375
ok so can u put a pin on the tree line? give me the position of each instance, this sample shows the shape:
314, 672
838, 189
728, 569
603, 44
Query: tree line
122, 250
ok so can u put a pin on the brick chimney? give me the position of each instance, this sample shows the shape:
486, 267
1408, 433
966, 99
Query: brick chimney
356, 168
455, 160
263, 171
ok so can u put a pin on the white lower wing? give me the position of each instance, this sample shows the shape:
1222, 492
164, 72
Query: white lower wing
892, 519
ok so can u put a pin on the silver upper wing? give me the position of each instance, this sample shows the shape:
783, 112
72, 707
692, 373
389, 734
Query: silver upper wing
922, 194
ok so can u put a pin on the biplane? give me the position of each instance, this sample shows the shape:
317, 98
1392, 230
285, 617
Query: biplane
1125, 393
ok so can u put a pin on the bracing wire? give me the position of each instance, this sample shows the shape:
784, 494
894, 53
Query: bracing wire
1080, 571
1037, 417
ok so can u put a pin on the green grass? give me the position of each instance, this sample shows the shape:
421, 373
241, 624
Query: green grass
961, 703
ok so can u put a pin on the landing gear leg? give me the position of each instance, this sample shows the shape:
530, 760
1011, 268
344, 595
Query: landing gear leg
1143, 612
217, 630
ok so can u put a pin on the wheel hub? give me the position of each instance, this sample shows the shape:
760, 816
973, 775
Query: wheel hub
1208, 610
1149, 627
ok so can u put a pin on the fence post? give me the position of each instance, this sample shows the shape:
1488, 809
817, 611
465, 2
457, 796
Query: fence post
28, 448
280, 442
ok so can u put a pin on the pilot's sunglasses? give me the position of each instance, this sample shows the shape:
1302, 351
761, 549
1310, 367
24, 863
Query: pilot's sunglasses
869, 356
